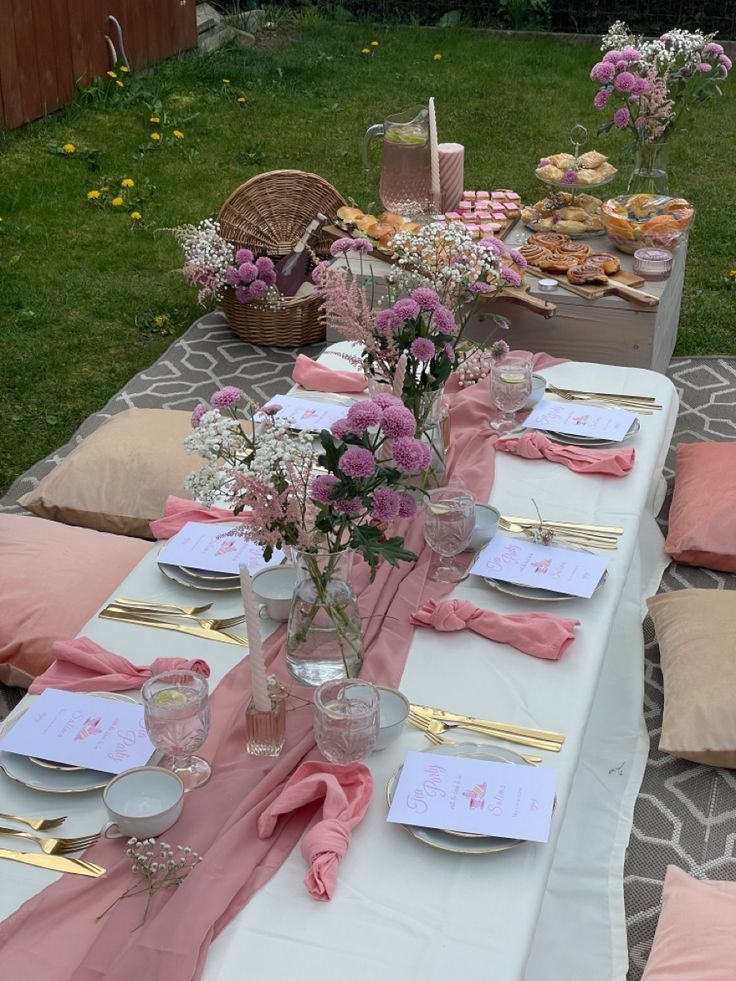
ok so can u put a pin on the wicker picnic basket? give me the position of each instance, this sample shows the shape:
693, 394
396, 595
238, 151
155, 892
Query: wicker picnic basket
267, 214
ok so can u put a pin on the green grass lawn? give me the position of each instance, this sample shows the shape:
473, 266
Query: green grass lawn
78, 283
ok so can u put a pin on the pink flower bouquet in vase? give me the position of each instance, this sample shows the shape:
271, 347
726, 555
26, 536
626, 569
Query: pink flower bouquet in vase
325, 504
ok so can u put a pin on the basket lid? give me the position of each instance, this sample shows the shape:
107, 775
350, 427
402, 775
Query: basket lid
270, 211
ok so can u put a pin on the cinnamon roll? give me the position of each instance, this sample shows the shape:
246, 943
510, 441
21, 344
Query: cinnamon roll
587, 275
548, 240
608, 263
580, 250
534, 253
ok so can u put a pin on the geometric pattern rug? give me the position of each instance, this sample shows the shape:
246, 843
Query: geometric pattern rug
685, 813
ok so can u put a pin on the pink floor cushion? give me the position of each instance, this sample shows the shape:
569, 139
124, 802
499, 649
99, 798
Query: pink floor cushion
695, 934
702, 529
53, 578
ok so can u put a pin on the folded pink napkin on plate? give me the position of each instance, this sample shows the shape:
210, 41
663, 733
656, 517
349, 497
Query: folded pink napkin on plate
533, 445
539, 634
346, 790
178, 510
317, 377
82, 665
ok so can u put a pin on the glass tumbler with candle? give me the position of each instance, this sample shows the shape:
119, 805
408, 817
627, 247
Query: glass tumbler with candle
346, 719
177, 717
511, 386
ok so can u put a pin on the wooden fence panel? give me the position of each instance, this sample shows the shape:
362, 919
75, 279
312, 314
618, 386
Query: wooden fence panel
47, 47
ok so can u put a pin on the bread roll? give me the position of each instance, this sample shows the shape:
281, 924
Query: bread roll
392, 219
379, 229
364, 222
348, 216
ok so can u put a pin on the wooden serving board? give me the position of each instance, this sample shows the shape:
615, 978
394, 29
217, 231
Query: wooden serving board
522, 296
622, 283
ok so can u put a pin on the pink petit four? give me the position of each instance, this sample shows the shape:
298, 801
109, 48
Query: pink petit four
512, 196
499, 216
483, 215
481, 196
488, 226
469, 195
498, 195
453, 216
465, 206
472, 229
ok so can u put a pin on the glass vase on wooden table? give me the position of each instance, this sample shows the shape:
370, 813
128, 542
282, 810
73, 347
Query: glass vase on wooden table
649, 175
324, 639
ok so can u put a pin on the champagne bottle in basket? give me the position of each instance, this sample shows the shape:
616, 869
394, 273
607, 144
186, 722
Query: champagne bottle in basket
291, 270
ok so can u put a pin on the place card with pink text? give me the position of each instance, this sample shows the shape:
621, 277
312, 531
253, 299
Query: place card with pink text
580, 419
82, 730
476, 796
310, 415
563, 570
211, 547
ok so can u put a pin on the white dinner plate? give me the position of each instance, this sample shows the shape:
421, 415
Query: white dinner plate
452, 841
209, 576
178, 574
570, 439
66, 767
522, 591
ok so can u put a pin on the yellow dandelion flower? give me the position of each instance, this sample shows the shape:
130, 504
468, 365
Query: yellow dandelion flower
178, 134
374, 44
127, 182
124, 69
241, 98
112, 75
226, 81
92, 195
69, 148
106, 187
733, 273
365, 51
155, 137
159, 320
136, 215
119, 84
437, 57
155, 119
116, 202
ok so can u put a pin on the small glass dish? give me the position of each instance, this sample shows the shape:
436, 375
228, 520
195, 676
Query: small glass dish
654, 265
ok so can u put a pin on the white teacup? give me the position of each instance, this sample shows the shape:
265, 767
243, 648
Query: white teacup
486, 525
539, 385
143, 802
274, 588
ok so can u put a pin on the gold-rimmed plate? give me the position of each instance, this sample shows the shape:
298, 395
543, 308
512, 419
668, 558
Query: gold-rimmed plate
68, 767
571, 439
535, 593
209, 576
458, 842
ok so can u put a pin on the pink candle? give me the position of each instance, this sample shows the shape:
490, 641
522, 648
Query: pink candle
452, 174
400, 376
261, 698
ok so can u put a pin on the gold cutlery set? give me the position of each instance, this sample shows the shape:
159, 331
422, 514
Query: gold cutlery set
55, 851
641, 404
165, 617
565, 532
434, 723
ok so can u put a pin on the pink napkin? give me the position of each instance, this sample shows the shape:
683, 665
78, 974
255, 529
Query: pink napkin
82, 665
317, 377
533, 445
178, 510
346, 789
539, 634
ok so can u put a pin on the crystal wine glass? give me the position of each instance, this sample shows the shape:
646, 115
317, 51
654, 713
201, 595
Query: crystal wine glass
177, 717
449, 522
511, 386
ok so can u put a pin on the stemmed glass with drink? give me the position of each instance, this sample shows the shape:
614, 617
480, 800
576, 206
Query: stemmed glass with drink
449, 522
511, 386
177, 717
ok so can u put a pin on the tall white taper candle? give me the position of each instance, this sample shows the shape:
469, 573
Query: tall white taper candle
434, 158
399, 376
261, 697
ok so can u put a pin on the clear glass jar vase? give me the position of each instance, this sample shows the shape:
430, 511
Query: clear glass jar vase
430, 412
649, 175
324, 638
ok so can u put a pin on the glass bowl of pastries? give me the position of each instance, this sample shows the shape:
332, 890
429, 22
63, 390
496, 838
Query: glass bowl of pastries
577, 215
565, 170
378, 230
653, 220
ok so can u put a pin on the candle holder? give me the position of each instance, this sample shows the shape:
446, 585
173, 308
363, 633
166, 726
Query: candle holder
265, 732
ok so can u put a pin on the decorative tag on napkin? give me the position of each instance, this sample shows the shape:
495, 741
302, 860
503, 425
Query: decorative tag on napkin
308, 414
580, 419
541, 566
209, 547
82, 730
460, 793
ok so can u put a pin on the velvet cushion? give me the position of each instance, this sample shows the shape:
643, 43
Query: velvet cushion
695, 934
118, 479
53, 578
696, 631
702, 528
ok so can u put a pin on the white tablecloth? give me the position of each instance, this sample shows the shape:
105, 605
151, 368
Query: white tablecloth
403, 910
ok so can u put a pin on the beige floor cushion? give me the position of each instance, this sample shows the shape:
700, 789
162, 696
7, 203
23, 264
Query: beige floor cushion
696, 631
118, 479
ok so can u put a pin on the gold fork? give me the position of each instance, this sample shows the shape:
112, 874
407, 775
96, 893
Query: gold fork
593, 539
439, 741
38, 824
639, 407
208, 624
54, 846
190, 611
440, 728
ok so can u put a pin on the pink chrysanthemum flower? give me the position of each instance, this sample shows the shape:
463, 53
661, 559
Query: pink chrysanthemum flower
481, 287
243, 255
357, 461
323, 487
499, 349
199, 411
444, 320
601, 98
362, 415
570, 177
603, 72
340, 428
387, 322
258, 288
625, 81
621, 117
264, 264
232, 276
352, 507
425, 297
398, 421
407, 505
613, 56
248, 272
518, 258
225, 397
386, 504
411, 455
511, 276
340, 246
268, 276
385, 400
243, 294
422, 349
362, 246
494, 245
406, 309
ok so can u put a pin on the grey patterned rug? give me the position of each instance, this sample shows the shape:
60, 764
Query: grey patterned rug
685, 813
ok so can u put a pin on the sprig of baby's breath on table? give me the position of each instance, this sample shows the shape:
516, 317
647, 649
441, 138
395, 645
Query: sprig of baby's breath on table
157, 866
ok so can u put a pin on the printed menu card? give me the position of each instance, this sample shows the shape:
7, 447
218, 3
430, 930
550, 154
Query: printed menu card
580, 419
82, 730
211, 547
461, 793
309, 414
523, 563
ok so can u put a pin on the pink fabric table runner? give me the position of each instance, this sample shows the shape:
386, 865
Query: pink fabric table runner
56, 937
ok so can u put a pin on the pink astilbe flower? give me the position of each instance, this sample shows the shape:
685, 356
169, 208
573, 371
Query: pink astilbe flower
357, 461
225, 397
411, 455
386, 504
346, 307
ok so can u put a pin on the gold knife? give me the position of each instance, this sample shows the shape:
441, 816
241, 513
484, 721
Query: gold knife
608, 529
444, 716
143, 621
56, 863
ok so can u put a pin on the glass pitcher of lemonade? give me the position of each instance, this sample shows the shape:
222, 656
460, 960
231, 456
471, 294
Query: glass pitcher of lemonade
406, 177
